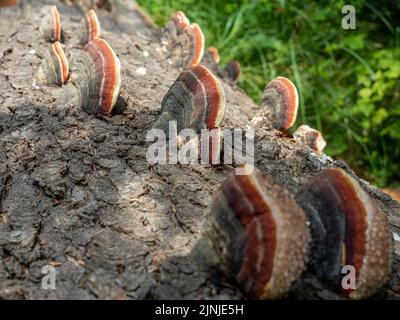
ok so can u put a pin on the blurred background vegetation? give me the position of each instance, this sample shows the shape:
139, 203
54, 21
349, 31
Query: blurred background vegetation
348, 80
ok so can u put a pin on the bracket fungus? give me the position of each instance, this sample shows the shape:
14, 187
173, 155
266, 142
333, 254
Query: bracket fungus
197, 48
195, 100
348, 229
91, 28
176, 25
394, 193
233, 70
54, 69
185, 41
97, 76
255, 234
279, 104
310, 137
213, 51
50, 26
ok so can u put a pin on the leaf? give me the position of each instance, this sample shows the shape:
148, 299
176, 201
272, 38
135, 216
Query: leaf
365, 93
364, 107
393, 130
379, 116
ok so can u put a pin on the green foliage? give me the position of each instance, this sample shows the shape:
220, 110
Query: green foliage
348, 80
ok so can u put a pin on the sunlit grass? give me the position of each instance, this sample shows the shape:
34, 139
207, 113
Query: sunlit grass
304, 41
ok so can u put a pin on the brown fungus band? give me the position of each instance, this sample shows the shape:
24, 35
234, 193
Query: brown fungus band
54, 69
185, 41
213, 51
233, 70
97, 76
91, 28
348, 229
195, 100
312, 138
176, 25
197, 48
280, 102
255, 234
50, 26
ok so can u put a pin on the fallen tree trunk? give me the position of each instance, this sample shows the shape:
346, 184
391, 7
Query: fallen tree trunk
77, 191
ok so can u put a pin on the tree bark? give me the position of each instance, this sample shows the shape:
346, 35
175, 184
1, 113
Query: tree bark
77, 192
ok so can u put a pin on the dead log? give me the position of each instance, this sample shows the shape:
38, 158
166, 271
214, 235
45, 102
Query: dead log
77, 192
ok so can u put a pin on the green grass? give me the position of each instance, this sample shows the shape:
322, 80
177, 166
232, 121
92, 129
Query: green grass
348, 80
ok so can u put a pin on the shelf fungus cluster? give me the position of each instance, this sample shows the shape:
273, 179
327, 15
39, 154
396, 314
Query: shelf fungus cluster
279, 105
255, 234
50, 26
97, 75
90, 26
96, 70
184, 41
54, 69
310, 137
348, 229
262, 238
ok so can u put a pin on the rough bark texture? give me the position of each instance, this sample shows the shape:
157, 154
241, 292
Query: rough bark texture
77, 192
